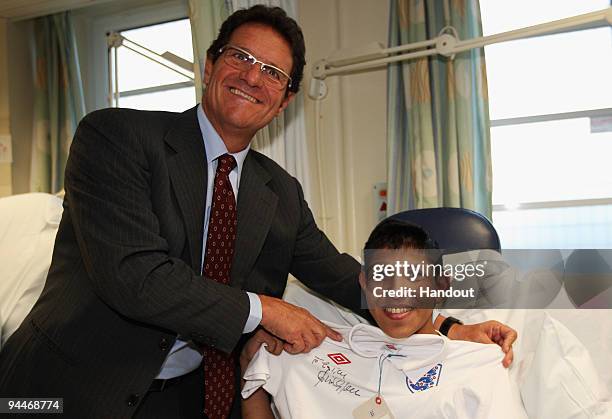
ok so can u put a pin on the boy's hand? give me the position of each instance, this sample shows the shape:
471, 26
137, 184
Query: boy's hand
487, 332
273, 344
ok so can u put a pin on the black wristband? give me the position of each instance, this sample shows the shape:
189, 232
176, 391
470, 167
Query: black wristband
447, 324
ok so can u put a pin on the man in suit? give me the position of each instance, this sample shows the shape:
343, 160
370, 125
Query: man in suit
157, 265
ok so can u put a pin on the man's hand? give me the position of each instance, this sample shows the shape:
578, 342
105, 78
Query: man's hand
300, 330
487, 332
273, 344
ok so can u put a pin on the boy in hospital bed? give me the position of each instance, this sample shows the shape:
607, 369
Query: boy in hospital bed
401, 369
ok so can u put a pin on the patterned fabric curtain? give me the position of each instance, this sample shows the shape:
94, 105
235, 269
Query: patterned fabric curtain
206, 17
284, 139
59, 103
438, 143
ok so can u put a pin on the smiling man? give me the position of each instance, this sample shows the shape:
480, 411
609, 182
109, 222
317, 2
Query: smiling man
176, 240
241, 97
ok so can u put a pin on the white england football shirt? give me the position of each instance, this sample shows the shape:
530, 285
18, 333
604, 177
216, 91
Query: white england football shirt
423, 376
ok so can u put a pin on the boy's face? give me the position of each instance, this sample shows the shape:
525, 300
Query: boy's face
398, 317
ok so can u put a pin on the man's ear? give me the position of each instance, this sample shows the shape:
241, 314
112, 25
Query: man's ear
288, 98
208, 69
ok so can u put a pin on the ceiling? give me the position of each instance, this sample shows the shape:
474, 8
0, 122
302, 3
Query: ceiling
25, 9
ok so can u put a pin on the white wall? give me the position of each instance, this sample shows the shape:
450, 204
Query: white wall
5, 168
353, 123
16, 104
21, 92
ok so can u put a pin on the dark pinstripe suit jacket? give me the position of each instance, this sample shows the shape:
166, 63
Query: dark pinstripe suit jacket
123, 281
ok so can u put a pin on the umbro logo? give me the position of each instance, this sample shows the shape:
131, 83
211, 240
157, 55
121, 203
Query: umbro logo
339, 359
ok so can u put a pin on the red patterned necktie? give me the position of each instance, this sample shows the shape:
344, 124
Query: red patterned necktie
218, 366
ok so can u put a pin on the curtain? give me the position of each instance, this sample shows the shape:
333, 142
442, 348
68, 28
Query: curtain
59, 103
438, 138
206, 17
284, 139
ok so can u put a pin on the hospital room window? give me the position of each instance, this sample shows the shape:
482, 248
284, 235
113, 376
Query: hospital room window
141, 83
550, 102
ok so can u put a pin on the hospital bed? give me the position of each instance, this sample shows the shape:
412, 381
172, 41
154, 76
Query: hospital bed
563, 358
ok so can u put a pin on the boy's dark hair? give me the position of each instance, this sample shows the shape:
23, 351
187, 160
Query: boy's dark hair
396, 234
276, 18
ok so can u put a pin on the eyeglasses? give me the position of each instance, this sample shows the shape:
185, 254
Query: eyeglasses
243, 60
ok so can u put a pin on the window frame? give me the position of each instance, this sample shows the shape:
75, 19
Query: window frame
131, 18
560, 116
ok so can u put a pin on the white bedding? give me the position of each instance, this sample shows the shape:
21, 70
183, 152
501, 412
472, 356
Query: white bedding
28, 225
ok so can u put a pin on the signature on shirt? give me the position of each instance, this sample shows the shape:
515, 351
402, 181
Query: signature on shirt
333, 376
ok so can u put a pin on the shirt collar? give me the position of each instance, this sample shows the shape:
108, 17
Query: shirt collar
409, 353
214, 145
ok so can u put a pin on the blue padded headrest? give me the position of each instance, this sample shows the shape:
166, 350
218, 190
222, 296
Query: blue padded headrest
454, 228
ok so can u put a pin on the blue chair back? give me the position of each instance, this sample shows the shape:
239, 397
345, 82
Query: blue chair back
454, 228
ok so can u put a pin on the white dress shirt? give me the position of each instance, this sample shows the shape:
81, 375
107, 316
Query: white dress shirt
183, 358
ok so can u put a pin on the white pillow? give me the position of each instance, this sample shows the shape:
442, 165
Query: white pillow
561, 380
28, 225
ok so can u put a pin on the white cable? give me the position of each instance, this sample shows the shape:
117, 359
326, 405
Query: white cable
323, 212
116, 79
110, 94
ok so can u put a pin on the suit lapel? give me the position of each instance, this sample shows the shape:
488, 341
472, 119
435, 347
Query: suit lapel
189, 177
188, 174
256, 209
